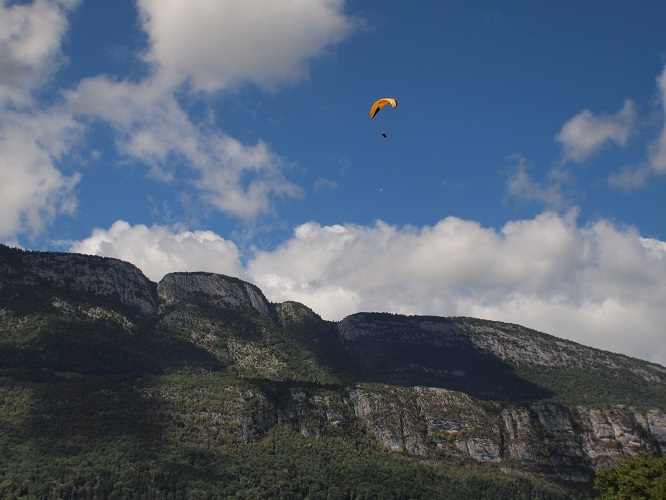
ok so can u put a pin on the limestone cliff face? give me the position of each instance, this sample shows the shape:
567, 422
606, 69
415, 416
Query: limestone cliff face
546, 439
219, 290
99, 276
509, 343
520, 345
424, 386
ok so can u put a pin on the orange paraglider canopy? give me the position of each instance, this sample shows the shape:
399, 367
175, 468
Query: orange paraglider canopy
380, 103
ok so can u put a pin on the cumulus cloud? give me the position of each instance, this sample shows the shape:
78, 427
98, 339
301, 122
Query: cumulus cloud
416, 270
601, 285
241, 179
33, 191
581, 138
215, 43
207, 44
586, 133
522, 186
632, 177
211, 44
152, 127
30, 36
158, 250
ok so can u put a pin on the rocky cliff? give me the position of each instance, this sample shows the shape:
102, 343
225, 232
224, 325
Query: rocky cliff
111, 279
427, 387
218, 290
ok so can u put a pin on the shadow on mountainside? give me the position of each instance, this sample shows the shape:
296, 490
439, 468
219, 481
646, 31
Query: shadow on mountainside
82, 349
389, 356
94, 406
460, 368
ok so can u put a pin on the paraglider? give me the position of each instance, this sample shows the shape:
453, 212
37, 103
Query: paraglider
379, 104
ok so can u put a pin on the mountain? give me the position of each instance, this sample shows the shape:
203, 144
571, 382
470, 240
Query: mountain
110, 383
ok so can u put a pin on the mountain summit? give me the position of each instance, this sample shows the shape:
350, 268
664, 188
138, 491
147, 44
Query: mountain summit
91, 345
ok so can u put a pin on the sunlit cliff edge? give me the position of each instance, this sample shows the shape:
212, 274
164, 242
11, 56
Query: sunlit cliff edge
431, 388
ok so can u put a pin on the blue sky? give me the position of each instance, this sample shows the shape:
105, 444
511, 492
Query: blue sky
523, 177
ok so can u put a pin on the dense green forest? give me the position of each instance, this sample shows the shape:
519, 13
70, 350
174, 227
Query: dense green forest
80, 443
109, 390
643, 477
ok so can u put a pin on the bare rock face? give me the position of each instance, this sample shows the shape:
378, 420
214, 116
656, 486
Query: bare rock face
218, 289
100, 276
429, 387
560, 441
612, 433
655, 424
290, 313
542, 435
507, 342
520, 345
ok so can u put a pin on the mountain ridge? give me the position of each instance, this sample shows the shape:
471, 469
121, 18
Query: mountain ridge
428, 387
147, 293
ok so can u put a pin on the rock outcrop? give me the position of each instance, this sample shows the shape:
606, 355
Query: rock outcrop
545, 439
218, 290
109, 278
429, 387
509, 343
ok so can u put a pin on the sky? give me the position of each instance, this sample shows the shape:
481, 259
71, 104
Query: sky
522, 179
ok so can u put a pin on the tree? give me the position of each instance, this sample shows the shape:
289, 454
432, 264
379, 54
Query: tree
641, 477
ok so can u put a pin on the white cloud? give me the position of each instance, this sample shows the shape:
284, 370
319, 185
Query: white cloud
215, 43
32, 188
151, 126
630, 178
30, 36
600, 285
240, 179
658, 148
324, 184
33, 191
585, 134
417, 269
636, 176
208, 44
212, 43
158, 250
522, 186
581, 138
